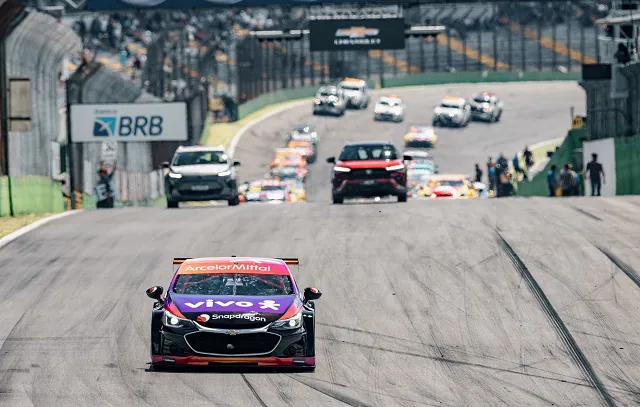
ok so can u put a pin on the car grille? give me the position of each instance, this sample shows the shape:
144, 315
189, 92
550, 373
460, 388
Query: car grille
364, 173
186, 184
244, 344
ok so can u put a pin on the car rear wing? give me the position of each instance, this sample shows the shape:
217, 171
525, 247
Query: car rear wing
292, 260
180, 260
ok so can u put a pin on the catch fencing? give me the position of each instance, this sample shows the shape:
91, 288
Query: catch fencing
33, 55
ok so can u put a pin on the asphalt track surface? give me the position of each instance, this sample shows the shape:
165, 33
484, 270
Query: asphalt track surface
504, 302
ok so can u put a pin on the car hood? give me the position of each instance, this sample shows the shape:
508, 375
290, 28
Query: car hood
239, 312
203, 169
361, 164
448, 111
420, 136
387, 108
446, 191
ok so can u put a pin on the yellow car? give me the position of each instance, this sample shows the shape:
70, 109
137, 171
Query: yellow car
420, 136
297, 191
452, 186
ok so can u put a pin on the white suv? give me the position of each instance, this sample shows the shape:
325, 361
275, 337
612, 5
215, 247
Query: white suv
356, 93
200, 173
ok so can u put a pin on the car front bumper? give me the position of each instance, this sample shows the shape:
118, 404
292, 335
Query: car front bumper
201, 347
327, 109
448, 120
481, 116
387, 117
368, 188
200, 188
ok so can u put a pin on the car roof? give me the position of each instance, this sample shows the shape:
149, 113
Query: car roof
443, 177
297, 127
240, 265
287, 150
453, 99
369, 143
202, 148
417, 153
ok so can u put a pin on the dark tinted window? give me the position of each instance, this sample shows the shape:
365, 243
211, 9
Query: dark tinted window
480, 99
369, 152
233, 284
200, 157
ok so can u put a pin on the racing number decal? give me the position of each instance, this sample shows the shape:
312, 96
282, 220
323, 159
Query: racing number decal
576, 123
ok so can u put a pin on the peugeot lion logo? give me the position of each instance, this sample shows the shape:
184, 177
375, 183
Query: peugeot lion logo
104, 126
357, 32
232, 332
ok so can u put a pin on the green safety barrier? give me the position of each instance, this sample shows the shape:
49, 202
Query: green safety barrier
537, 186
31, 195
442, 78
627, 154
278, 96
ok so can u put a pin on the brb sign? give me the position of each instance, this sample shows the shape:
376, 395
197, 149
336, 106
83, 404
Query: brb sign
138, 122
124, 126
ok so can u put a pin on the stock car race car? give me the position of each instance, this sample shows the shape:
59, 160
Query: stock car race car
452, 186
233, 310
486, 107
421, 159
303, 132
453, 112
290, 156
389, 108
296, 188
288, 170
420, 136
267, 190
329, 99
306, 148
356, 92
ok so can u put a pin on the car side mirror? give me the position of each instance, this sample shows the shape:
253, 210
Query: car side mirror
155, 293
311, 294
331, 160
236, 163
165, 164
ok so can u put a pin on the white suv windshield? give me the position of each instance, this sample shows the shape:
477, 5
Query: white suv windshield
450, 105
200, 158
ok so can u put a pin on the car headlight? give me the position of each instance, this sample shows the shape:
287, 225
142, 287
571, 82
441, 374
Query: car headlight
175, 175
294, 322
224, 173
396, 167
316, 101
173, 321
341, 169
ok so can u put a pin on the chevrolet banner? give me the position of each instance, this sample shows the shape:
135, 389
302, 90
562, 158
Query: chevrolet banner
345, 35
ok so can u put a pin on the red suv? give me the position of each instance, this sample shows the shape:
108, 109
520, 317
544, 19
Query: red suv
369, 169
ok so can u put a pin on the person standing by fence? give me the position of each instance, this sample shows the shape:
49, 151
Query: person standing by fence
104, 190
552, 181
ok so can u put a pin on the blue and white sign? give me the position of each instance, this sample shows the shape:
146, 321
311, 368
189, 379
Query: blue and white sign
136, 122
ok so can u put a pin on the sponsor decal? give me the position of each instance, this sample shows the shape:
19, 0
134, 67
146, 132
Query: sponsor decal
203, 318
229, 267
248, 317
266, 304
357, 35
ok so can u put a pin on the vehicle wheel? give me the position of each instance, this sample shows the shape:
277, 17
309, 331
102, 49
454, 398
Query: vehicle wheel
173, 204
234, 201
498, 118
338, 199
402, 198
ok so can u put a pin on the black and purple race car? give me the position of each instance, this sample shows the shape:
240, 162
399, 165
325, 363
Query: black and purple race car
233, 311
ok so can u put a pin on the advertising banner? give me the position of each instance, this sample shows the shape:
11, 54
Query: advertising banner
136, 122
346, 35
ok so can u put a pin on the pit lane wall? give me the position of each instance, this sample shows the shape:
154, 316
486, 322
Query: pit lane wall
35, 47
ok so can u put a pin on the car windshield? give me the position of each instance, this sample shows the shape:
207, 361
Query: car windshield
480, 99
418, 176
233, 284
387, 102
370, 152
266, 188
326, 92
451, 183
303, 129
284, 172
447, 105
351, 87
200, 158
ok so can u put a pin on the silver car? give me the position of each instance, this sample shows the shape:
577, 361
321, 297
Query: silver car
389, 108
486, 106
452, 112
329, 100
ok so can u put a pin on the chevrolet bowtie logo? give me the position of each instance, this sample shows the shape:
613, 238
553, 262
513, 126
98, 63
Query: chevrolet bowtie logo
357, 32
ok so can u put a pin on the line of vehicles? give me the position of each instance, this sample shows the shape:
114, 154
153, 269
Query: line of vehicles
288, 170
376, 169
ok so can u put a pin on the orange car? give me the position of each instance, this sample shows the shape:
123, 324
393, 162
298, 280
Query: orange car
307, 149
287, 170
291, 156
